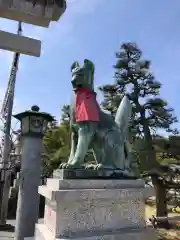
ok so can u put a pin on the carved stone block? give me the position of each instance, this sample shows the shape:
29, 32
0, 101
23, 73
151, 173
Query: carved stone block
93, 209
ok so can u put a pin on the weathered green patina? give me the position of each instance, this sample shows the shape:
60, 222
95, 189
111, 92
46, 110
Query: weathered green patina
108, 138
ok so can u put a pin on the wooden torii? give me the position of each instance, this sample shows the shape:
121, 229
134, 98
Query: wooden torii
35, 12
39, 13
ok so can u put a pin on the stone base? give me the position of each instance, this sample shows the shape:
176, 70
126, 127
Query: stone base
43, 233
91, 174
93, 209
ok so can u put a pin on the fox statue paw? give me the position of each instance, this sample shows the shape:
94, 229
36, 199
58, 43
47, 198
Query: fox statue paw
94, 166
69, 166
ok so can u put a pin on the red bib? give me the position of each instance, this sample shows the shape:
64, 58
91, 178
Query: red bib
86, 105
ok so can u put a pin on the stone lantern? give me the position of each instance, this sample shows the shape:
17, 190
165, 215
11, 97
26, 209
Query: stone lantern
33, 122
33, 127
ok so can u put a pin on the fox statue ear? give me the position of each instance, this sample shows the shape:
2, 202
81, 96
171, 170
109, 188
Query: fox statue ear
89, 65
74, 65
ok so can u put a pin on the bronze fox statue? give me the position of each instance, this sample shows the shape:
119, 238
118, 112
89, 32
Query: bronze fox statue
94, 129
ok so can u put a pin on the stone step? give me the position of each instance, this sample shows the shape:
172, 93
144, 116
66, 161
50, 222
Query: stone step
57, 184
16, 183
13, 192
149, 192
84, 194
42, 232
103, 209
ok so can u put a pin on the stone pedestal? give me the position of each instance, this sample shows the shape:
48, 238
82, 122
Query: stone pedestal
94, 209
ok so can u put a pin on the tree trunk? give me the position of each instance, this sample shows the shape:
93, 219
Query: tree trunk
160, 188
161, 202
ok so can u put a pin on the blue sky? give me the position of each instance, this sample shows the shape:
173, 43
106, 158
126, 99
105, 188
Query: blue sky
95, 29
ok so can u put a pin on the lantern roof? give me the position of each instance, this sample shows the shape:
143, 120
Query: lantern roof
33, 112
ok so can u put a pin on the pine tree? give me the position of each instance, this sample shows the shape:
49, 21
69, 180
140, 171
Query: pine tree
150, 112
56, 146
65, 114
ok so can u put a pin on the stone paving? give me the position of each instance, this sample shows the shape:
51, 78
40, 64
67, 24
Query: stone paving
9, 235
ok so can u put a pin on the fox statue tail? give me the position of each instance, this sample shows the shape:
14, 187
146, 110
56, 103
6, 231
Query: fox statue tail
123, 115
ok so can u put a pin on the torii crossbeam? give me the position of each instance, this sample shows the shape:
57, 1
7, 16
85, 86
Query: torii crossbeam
36, 12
